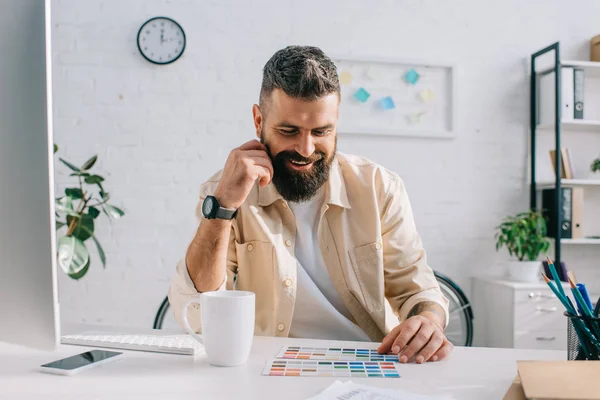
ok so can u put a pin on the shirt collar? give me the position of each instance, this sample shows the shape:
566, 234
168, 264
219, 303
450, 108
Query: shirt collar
336, 190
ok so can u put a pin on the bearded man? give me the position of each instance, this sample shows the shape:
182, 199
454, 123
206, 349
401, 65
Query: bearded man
326, 241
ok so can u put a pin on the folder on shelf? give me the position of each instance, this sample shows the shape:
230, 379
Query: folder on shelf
570, 210
548, 380
578, 93
546, 95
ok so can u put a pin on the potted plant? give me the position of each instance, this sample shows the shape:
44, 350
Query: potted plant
524, 235
76, 212
595, 167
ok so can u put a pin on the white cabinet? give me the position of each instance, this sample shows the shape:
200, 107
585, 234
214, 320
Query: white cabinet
517, 315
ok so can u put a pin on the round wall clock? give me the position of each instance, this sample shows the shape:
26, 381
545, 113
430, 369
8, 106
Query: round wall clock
161, 40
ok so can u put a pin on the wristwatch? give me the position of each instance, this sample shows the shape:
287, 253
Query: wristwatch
213, 210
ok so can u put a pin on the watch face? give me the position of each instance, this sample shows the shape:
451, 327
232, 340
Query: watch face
161, 40
207, 207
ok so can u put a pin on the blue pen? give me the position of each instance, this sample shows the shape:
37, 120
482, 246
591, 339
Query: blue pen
585, 295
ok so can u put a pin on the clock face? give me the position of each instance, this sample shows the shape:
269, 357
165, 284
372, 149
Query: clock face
161, 40
208, 207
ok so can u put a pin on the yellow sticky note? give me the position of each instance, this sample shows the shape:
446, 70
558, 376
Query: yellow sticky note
345, 78
427, 95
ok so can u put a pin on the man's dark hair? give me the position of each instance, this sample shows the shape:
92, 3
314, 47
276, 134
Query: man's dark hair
303, 72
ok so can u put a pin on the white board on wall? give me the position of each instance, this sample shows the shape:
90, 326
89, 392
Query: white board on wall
423, 104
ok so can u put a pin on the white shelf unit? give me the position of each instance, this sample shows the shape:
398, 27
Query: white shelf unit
581, 241
582, 125
569, 183
591, 68
571, 130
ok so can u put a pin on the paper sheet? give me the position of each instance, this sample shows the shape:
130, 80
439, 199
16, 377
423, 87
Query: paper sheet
352, 391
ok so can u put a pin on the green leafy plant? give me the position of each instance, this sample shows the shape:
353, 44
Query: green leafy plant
524, 235
76, 212
595, 167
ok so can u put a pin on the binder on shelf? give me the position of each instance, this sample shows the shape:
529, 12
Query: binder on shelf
578, 93
546, 95
571, 212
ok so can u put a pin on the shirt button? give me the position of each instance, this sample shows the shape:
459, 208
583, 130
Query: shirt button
378, 246
287, 282
288, 243
250, 247
280, 327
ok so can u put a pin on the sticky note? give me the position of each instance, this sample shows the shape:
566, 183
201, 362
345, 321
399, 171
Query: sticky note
387, 103
427, 95
345, 78
415, 118
361, 95
373, 73
411, 76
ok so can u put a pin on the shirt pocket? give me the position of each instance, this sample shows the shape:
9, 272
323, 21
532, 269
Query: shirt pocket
367, 262
255, 267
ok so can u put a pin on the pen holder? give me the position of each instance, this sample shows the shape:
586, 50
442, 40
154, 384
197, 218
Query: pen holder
583, 337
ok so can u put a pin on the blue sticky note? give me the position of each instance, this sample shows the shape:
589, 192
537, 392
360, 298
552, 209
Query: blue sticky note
387, 103
361, 95
412, 76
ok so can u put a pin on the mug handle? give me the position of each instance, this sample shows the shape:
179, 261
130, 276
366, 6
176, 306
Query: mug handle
186, 323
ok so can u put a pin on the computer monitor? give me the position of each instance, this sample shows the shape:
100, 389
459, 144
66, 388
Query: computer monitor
28, 287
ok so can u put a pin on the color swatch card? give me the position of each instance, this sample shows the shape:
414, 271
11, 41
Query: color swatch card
334, 354
350, 369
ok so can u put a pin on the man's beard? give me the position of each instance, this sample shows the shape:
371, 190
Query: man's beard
299, 186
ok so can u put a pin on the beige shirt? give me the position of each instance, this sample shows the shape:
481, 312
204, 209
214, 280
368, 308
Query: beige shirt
367, 237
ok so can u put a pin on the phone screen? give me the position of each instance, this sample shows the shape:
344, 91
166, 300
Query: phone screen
80, 360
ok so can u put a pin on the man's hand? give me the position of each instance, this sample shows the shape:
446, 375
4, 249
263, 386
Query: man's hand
420, 337
244, 166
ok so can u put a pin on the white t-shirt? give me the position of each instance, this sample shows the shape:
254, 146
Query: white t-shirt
319, 312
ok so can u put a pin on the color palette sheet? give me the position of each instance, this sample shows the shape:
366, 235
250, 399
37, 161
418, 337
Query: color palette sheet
334, 354
350, 369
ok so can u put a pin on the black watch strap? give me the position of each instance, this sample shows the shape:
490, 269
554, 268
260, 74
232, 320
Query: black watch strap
225, 213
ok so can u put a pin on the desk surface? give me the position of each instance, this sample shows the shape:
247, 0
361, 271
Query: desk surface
469, 373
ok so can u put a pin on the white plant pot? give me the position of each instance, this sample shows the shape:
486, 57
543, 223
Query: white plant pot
524, 271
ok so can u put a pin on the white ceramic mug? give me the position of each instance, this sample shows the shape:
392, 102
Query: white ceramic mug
227, 319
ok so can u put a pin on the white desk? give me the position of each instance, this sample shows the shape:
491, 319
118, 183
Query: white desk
469, 373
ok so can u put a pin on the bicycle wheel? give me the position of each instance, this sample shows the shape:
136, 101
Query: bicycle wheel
460, 326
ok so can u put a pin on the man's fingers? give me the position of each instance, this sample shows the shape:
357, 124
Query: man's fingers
444, 351
434, 344
252, 145
409, 328
386, 343
262, 173
254, 154
419, 340
265, 163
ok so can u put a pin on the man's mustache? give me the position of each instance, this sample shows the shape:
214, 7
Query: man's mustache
295, 156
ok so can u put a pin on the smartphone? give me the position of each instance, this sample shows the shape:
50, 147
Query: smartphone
75, 364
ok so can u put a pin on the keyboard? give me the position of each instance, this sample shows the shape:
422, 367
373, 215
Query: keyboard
173, 344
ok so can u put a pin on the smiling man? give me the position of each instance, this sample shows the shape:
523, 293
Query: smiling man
326, 241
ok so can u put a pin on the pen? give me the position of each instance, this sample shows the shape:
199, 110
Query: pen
584, 294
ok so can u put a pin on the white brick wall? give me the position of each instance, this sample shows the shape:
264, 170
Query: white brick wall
161, 130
